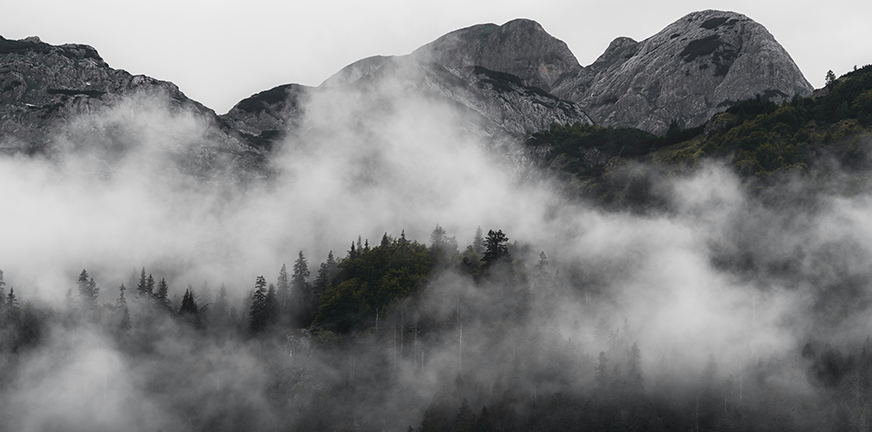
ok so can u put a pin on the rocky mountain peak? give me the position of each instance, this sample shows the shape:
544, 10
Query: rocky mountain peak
694, 68
520, 47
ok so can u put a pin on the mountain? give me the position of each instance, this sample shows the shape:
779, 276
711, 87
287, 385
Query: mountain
694, 68
52, 95
520, 78
505, 80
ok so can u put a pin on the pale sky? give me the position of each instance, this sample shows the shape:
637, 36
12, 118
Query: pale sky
219, 52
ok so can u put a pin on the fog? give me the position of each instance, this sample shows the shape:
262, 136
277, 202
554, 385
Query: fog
721, 272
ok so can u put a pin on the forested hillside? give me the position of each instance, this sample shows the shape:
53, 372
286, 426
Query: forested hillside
764, 142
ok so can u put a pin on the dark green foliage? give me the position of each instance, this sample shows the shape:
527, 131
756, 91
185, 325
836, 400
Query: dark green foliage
373, 280
496, 248
302, 302
326, 272
761, 139
16, 47
264, 99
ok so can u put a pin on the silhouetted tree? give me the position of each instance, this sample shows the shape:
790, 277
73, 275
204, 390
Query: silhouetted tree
121, 307
257, 313
188, 311
326, 272
161, 297
284, 289
88, 291
496, 248
302, 292
142, 287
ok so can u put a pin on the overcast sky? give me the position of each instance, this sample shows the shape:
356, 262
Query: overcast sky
219, 52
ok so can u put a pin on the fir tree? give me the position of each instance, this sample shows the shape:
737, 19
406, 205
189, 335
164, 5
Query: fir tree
284, 288
88, 291
188, 311
149, 286
302, 292
496, 248
256, 314
142, 287
11, 308
161, 297
271, 306
121, 307
327, 270
2, 291
478, 241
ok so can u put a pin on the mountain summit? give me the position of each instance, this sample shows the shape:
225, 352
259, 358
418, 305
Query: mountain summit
694, 68
520, 47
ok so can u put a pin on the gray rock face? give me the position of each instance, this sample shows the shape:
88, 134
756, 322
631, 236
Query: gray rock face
47, 94
499, 105
267, 115
520, 47
694, 68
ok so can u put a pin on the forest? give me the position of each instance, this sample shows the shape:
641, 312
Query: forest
716, 278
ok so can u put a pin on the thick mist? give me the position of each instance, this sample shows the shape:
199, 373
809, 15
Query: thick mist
722, 272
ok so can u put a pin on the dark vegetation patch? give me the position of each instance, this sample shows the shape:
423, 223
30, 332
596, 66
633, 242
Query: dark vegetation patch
771, 94
674, 35
508, 83
765, 143
700, 47
16, 47
68, 92
713, 23
264, 99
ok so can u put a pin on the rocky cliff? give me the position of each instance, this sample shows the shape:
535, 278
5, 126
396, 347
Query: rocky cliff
694, 68
59, 96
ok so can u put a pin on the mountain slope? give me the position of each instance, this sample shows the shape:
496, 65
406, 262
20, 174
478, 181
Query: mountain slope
694, 68
50, 97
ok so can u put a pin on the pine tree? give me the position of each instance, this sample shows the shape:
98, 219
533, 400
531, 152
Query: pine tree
188, 311
161, 297
327, 270
256, 316
142, 287
2, 291
302, 292
271, 306
88, 291
123, 311
496, 248
11, 308
149, 286
284, 289
478, 241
